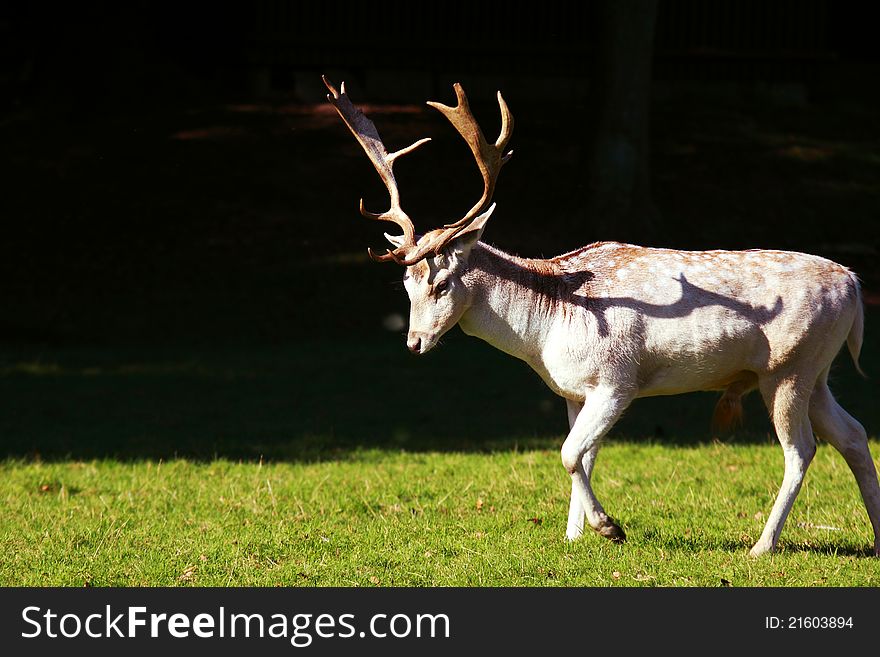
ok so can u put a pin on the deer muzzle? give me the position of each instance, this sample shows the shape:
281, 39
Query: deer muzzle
419, 342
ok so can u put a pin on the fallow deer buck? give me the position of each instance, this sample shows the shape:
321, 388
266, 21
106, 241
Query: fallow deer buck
610, 322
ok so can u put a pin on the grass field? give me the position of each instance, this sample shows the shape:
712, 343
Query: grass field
264, 468
390, 518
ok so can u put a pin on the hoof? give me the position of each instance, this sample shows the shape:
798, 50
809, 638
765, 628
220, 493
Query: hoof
612, 531
759, 550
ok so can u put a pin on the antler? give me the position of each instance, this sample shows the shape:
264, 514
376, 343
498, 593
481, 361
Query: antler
365, 132
489, 157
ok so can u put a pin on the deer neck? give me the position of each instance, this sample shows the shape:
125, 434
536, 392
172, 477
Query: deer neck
513, 301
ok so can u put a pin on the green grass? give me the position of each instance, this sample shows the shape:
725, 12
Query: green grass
336, 463
392, 518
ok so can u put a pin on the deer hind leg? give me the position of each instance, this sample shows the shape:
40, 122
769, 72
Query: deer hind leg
589, 422
834, 425
788, 404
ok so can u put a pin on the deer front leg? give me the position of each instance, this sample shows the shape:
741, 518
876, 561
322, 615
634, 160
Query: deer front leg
589, 422
575, 527
596, 516
576, 510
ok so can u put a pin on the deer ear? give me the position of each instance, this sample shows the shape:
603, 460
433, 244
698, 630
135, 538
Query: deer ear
396, 240
461, 246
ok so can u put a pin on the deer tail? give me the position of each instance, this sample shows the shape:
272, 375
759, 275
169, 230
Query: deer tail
857, 330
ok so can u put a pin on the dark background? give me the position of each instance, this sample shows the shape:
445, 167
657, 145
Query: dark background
182, 265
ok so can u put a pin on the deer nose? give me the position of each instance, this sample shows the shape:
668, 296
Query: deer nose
414, 343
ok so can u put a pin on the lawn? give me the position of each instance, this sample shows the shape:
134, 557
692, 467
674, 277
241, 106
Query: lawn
264, 467
393, 518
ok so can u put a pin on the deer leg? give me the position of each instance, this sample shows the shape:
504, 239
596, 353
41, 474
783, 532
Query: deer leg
575, 526
589, 422
840, 429
788, 408
576, 509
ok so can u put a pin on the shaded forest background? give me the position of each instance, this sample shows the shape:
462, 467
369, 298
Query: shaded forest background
173, 180
161, 161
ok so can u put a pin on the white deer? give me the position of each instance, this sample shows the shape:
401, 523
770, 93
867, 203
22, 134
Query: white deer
610, 322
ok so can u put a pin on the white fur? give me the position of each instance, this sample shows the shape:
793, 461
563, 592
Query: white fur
611, 322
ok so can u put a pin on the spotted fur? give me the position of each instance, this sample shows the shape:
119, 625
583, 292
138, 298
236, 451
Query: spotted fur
611, 322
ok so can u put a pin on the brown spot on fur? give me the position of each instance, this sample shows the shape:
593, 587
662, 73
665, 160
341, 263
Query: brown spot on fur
622, 254
419, 270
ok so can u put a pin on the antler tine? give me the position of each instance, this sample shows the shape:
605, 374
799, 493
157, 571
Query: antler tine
489, 157
364, 130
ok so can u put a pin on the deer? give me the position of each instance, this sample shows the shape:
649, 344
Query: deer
610, 322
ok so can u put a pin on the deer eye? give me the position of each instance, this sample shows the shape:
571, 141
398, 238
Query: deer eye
441, 286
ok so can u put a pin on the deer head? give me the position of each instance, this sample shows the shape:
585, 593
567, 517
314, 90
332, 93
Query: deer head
436, 260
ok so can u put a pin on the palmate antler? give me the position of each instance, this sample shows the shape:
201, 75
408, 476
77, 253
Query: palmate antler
489, 157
